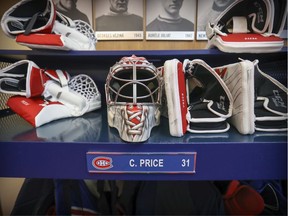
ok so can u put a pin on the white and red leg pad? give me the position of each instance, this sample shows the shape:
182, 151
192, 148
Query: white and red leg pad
176, 98
37, 111
210, 102
239, 78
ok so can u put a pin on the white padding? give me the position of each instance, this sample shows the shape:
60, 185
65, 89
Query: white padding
75, 102
240, 25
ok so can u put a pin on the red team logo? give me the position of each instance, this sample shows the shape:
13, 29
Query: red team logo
102, 163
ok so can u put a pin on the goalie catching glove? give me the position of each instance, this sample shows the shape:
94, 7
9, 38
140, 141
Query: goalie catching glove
249, 26
50, 94
36, 24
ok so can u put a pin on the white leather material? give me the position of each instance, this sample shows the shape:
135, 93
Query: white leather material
239, 78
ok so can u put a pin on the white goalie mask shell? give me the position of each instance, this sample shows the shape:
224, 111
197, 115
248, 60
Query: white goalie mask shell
133, 96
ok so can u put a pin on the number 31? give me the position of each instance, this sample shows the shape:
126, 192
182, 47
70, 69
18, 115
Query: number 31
185, 163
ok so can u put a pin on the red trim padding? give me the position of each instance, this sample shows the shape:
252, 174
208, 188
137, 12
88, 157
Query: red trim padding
182, 96
40, 39
250, 38
28, 108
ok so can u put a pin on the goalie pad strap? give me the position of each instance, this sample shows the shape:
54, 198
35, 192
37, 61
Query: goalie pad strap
240, 25
54, 92
59, 76
31, 24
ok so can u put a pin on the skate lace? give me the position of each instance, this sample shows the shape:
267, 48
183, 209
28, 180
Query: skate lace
135, 120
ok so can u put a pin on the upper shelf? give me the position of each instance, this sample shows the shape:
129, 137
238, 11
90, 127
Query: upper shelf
152, 55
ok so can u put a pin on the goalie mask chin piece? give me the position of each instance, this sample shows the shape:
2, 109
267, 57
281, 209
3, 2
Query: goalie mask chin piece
133, 95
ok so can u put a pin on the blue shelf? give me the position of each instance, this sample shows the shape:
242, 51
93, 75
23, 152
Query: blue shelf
58, 149
151, 55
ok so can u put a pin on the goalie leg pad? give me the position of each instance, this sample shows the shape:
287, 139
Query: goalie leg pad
270, 102
239, 79
209, 100
175, 97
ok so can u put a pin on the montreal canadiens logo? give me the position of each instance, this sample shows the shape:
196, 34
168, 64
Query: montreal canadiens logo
102, 163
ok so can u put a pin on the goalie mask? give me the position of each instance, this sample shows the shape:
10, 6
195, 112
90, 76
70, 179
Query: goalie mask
133, 92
